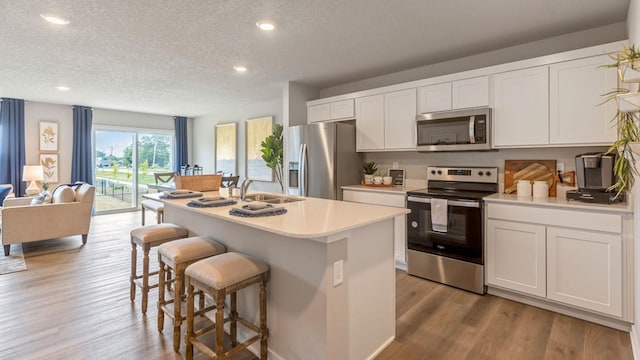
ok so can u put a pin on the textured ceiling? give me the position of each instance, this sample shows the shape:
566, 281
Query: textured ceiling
176, 57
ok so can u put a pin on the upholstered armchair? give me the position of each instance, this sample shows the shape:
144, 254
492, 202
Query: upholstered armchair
71, 215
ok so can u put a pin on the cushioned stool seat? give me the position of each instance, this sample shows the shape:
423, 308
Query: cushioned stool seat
220, 276
147, 237
155, 206
177, 255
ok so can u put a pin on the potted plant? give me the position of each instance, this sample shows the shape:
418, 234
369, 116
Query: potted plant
272, 153
627, 61
369, 169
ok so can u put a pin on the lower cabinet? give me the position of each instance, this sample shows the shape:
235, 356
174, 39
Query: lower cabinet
400, 222
573, 266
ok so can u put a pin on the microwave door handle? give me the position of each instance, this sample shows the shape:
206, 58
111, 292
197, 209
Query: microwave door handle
472, 130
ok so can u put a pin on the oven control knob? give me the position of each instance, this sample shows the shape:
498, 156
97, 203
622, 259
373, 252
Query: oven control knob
414, 224
433, 172
439, 172
488, 173
480, 173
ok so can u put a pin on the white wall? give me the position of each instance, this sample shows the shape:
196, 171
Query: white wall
582, 39
204, 137
633, 22
63, 115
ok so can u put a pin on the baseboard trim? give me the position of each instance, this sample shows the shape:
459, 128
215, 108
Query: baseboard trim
635, 346
401, 265
381, 348
565, 310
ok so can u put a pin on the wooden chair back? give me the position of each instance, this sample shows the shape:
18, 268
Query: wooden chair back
163, 177
229, 181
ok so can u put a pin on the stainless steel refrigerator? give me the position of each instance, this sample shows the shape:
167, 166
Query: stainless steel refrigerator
321, 159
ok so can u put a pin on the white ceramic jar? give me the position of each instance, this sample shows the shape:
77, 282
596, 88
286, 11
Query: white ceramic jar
523, 188
540, 189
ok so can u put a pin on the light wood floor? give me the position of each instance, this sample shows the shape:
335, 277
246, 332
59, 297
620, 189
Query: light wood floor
73, 303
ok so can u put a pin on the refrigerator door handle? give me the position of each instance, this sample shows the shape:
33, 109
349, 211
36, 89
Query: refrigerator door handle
302, 172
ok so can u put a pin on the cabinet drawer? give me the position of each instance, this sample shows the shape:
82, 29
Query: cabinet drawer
558, 217
375, 198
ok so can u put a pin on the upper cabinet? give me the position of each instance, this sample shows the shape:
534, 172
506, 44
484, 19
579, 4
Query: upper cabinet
521, 107
575, 93
470, 93
386, 121
459, 94
337, 110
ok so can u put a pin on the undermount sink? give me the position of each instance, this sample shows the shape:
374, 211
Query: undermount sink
272, 198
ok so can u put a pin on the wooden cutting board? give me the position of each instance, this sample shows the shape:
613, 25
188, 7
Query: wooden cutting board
534, 170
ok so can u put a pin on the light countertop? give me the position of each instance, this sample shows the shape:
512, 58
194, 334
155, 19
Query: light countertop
384, 189
311, 218
621, 207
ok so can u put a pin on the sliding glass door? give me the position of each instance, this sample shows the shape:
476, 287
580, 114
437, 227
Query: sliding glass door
125, 162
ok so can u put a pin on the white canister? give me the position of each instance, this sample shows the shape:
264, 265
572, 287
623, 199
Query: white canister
540, 189
523, 188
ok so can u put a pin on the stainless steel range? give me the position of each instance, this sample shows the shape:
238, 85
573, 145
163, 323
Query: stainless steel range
445, 232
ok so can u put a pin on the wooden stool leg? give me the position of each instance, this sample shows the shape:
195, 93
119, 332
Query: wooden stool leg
201, 303
145, 279
264, 331
158, 216
142, 215
132, 278
234, 319
189, 331
161, 293
177, 304
220, 296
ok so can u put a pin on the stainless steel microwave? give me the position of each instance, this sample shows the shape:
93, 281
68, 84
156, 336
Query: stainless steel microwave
456, 130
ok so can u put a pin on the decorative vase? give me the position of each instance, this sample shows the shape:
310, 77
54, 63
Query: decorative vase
368, 179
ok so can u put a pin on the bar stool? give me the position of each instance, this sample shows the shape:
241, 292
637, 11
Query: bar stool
218, 277
147, 237
177, 255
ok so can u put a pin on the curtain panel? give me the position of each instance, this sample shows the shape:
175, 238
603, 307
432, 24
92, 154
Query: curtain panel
182, 151
81, 161
12, 153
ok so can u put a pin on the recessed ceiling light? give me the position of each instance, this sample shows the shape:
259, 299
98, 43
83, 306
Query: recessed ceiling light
55, 19
240, 68
62, 88
266, 25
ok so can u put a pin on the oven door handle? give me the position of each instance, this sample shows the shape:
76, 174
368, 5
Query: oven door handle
471, 204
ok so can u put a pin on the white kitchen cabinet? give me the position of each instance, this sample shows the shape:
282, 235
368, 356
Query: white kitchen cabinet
516, 256
434, 98
585, 269
370, 123
576, 89
469, 93
561, 255
333, 111
400, 222
386, 121
400, 120
316, 113
521, 108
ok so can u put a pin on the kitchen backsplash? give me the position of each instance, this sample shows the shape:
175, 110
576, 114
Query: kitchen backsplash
415, 164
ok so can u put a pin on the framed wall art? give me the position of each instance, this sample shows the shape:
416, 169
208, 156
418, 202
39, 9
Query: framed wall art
48, 134
257, 130
226, 136
49, 164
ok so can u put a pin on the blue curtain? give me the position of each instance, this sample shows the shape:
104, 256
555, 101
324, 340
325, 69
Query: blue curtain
182, 151
81, 164
12, 158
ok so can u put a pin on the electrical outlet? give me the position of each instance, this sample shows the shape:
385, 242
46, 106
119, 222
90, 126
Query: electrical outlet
395, 165
338, 272
560, 167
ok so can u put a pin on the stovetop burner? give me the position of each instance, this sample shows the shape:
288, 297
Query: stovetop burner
459, 182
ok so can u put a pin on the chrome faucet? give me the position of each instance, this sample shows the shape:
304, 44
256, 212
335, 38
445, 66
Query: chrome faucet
244, 187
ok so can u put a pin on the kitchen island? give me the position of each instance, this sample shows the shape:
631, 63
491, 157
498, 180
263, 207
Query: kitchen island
317, 309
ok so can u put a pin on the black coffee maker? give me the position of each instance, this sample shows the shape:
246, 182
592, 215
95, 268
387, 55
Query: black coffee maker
594, 173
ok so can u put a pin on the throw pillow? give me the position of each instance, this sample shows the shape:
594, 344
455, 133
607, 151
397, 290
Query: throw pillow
4, 191
42, 198
63, 194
